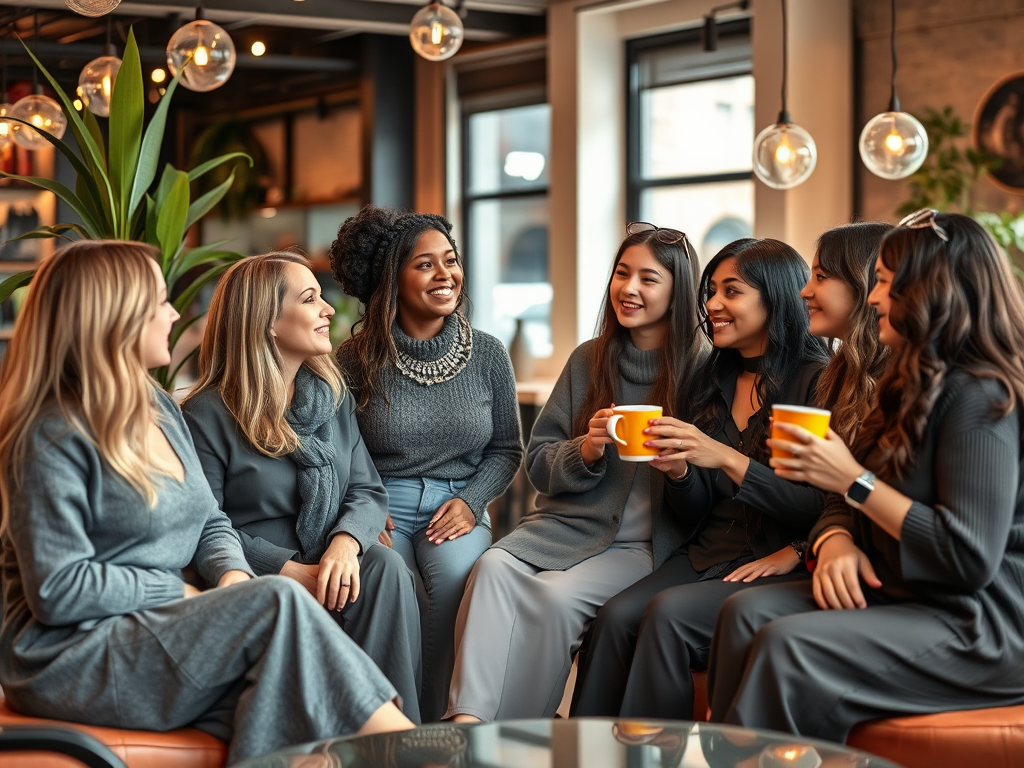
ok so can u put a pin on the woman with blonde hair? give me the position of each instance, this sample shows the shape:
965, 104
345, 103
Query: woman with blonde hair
103, 506
278, 440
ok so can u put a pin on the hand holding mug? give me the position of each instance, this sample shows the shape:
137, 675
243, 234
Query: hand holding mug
597, 436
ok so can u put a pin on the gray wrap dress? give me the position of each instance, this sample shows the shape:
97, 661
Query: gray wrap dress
95, 629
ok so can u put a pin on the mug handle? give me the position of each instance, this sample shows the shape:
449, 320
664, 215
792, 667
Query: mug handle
613, 422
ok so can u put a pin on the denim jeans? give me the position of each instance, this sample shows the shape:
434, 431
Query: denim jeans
443, 570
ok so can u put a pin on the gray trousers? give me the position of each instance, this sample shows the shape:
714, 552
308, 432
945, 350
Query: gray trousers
259, 664
780, 662
385, 622
519, 626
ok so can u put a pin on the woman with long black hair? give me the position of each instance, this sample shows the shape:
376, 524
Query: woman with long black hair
747, 524
915, 604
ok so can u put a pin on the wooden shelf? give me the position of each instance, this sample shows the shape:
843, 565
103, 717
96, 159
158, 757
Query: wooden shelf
13, 267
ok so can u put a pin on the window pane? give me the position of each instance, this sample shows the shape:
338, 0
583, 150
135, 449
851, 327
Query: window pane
509, 149
712, 215
507, 269
697, 128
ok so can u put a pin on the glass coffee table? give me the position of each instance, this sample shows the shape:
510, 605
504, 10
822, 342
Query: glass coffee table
574, 743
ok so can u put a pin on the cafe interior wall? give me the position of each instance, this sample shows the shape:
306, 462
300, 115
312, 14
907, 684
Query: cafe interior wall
950, 53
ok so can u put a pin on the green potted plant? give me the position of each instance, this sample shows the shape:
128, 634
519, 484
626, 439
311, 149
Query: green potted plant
115, 198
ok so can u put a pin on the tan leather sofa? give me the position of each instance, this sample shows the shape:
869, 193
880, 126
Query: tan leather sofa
184, 748
993, 738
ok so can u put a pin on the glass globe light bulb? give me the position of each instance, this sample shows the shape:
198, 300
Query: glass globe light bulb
212, 55
44, 114
92, 8
96, 84
893, 145
436, 32
784, 155
7, 127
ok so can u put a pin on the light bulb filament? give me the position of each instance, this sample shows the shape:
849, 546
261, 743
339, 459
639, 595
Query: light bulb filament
105, 85
436, 32
894, 143
36, 120
201, 57
784, 153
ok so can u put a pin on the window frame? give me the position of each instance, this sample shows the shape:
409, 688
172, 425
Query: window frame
636, 185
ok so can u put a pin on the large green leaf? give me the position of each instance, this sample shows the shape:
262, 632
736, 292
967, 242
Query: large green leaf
193, 258
85, 140
187, 296
84, 173
209, 165
149, 234
45, 232
14, 282
127, 108
99, 174
180, 328
206, 202
171, 215
67, 196
149, 154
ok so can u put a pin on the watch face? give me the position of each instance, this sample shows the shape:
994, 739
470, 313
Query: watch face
859, 491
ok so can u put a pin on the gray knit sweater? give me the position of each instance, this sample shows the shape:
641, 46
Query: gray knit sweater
579, 508
466, 428
82, 546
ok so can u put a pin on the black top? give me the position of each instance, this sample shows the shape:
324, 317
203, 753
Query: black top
762, 515
961, 545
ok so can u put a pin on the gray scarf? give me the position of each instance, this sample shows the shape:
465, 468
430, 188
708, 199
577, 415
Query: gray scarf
310, 415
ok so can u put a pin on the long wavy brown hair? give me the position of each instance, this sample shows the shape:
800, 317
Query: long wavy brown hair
847, 385
684, 348
956, 305
239, 358
77, 347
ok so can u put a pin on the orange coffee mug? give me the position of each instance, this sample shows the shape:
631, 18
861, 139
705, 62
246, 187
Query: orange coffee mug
814, 420
633, 420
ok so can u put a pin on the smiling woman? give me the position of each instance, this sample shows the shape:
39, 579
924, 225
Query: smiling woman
437, 409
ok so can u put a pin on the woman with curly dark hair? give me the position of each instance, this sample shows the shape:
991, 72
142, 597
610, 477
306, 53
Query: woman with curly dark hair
437, 408
915, 604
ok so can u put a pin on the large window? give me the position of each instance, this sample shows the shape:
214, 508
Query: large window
690, 133
505, 194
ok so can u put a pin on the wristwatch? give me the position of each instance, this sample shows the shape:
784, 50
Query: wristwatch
800, 547
862, 486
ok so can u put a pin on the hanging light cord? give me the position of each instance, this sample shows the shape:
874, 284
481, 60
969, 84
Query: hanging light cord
894, 101
784, 114
35, 70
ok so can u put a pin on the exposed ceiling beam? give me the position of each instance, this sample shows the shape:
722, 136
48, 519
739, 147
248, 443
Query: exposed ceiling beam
359, 15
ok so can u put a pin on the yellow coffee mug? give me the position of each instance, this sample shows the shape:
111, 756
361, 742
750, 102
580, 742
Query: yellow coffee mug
633, 419
814, 420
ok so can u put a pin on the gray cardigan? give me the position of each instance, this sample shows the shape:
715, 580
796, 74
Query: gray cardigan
579, 508
81, 546
260, 493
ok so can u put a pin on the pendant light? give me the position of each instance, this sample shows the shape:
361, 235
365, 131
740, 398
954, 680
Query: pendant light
96, 83
92, 8
436, 32
784, 153
203, 53
39, 111
893, 144
7, 127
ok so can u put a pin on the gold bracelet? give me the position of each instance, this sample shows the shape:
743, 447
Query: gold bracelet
826, 534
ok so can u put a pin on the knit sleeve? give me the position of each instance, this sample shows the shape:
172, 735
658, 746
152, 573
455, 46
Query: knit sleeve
960, 540
48, 522
504, 452
554, 460
211, 427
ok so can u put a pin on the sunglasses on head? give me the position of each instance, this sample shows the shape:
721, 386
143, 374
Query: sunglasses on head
666, 236
922, 219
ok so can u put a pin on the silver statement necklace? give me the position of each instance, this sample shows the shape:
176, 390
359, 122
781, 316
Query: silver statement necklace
446, 367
